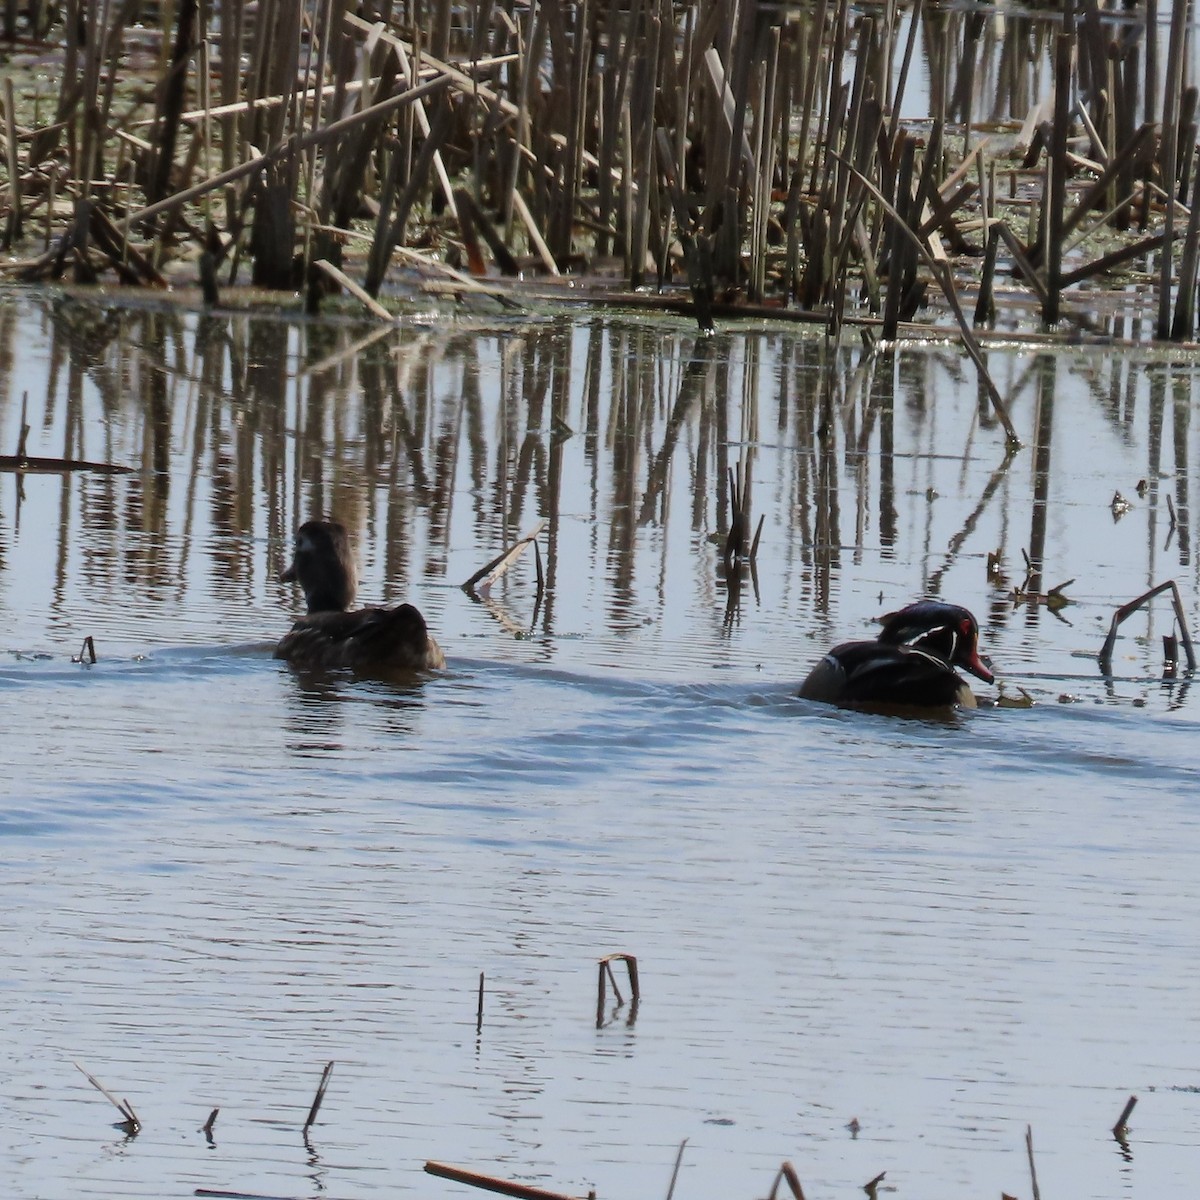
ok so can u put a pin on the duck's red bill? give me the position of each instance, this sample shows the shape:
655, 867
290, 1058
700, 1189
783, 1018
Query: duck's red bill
977, 667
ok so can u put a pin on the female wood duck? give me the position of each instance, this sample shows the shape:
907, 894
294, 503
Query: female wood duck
368, 639
911, 663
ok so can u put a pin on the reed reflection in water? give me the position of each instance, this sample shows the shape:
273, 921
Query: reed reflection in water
877, 477
220, 874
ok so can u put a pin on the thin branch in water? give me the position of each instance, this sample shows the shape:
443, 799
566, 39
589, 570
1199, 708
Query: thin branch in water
1127, 610
505, 559
316, 1104
1121, 1128
675, 1171
130, 1118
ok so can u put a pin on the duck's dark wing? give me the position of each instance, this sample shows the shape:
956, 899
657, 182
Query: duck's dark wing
872, 673
365, 640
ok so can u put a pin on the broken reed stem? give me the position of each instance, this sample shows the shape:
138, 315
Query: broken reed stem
316, 1104
871, 1187
479, 1008
501, 563
945, 281
787, 1173
288, 149
491, 1183
1127, 610
675, 1170
210, 1123
1037, 1195
23, 436
1122, 1125
360, 294
122, 1106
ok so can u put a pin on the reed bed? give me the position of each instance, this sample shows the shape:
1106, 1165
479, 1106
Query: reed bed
761, 156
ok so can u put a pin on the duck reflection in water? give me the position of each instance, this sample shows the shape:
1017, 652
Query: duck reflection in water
368, 640
909, 665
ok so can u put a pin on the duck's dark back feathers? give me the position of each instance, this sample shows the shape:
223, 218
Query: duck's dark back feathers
866, 673
369, 639
366, 640
910, 664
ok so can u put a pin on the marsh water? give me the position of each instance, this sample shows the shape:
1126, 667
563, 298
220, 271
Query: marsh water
866, 943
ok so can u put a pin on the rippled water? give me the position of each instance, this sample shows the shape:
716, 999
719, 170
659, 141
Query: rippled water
218, 875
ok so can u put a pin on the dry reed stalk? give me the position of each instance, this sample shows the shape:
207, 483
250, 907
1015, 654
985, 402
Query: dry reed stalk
319, 1097
643, 90
313, 138
1057, 190
501, 563
943, 277
675, 1169
12, 228
492, 1183
1184, 323
787, 1174
1121, 1128
1037, 1195
360, 294
130, 1118
1127, 610
1168, 151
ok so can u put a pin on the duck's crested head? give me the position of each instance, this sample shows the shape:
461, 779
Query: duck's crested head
947, 630
323, 565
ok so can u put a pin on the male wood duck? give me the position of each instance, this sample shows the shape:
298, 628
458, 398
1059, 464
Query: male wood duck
367, 639
910, 664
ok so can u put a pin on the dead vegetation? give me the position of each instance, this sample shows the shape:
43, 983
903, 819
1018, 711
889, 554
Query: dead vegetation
759, 155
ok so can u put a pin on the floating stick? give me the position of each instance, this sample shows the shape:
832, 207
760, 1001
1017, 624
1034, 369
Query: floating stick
675, 1172
479, 1009
208, 1125
316, 1104
87, 652
491, 1183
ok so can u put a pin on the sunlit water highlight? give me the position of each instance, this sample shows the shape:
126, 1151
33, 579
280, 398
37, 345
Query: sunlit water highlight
218, 875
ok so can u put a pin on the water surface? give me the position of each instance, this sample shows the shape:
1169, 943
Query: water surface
219, 875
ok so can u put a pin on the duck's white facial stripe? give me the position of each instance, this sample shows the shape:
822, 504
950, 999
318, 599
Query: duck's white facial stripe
918, 638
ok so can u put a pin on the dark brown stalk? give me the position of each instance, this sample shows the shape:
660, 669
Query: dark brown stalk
12, 227
1168, 150
173, 92
316, 1104
1057, 191
492, 1183
315, 137
1122, 1126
